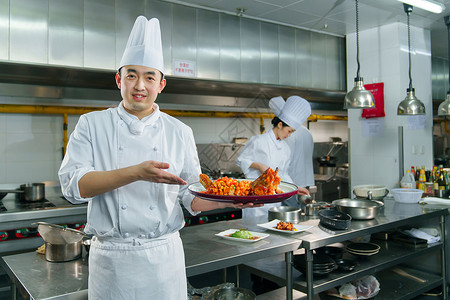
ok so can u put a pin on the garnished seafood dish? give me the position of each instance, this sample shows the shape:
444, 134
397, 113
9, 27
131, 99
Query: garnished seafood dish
266, 184
285, 226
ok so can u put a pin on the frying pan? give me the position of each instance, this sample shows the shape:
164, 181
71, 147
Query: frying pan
29, 192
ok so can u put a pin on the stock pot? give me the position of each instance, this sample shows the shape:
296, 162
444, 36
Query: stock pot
29, 192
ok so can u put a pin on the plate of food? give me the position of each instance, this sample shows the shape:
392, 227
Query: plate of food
268, 188
242, 235
285, 227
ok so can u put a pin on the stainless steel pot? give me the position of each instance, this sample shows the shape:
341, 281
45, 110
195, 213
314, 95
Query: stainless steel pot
371, 192
29, 192
63, 252
359, 209
285, 213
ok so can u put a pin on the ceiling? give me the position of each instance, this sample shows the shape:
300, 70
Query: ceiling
335, 17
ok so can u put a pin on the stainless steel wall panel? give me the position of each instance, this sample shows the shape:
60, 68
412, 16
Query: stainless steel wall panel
342, 64
163, 11
318, 57
65, 33
303, 58
208, 46
269, 53
332, 62
4, 29
126, 13
99, 34
250, 51
184, 33
230, 48
287, 70
439, 78
28, 32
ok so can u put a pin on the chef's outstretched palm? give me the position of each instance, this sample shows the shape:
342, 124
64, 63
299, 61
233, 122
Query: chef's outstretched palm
154, 171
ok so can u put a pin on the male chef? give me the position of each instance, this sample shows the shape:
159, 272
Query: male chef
131, 164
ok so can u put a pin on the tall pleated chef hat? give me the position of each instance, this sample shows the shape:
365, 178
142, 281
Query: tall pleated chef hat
293, 112
276, 105
144, 47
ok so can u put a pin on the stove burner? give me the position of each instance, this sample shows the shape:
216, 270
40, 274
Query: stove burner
35, 205
2, 207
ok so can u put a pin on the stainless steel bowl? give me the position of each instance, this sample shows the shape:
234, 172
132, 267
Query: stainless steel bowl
359, 209
285, 213
371, 192
62, 252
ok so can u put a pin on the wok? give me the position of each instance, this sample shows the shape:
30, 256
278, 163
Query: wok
29, 192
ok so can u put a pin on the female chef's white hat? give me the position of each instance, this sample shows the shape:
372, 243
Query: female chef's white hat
293, 112
144, 47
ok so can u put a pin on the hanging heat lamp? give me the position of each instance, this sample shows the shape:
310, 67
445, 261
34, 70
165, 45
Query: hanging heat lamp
410, 105
358, 97
444, 107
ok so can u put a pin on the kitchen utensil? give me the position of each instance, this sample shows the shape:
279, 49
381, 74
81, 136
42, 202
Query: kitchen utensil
87, 245
62, 252
322, 264
359, 209
407, 195
333, 252
234, 293
29, 192
59, 235
371, 192
312, 209
334, 219
405, 274
363, 249
346, 264
285, 213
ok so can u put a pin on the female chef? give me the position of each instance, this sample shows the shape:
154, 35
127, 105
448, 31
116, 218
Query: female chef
269, 150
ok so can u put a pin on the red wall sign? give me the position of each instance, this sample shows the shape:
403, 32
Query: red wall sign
377, 90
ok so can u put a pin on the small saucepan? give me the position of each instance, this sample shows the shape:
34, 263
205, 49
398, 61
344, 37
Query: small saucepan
28, 192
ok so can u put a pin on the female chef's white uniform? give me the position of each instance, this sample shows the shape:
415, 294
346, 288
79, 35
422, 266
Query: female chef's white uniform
266, 149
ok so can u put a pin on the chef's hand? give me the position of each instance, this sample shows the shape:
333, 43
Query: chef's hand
243, 205
303, 191
199, 204
154, 171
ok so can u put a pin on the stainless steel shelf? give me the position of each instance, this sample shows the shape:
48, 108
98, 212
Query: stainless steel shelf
390, 254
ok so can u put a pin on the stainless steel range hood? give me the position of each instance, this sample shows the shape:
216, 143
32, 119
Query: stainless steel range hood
55, 82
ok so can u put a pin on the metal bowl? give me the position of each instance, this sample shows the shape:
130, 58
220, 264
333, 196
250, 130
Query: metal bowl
285, 213
359, 209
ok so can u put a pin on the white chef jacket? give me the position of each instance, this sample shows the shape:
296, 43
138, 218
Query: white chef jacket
301, 164
138, 217
266, 149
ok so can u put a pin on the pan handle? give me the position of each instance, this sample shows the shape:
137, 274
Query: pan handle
11, 191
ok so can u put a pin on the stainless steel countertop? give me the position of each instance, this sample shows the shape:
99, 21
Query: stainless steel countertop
204, 252
392, 213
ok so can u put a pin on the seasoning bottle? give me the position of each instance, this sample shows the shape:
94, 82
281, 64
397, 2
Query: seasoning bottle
441, 181
407, 182
422, 180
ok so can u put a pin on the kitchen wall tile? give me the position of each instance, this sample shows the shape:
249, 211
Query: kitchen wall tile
31, 147
22, 172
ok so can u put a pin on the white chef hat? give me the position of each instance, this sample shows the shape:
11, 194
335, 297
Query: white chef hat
144, 47
295, 111
276, 105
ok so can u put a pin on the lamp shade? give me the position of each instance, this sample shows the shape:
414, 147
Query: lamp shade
444, 107
411, 105
359, 97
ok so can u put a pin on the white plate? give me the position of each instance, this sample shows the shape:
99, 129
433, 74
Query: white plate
224, 234
273, 224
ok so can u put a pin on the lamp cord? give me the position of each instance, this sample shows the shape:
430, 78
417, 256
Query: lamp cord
357, 40
409, 52
448, 49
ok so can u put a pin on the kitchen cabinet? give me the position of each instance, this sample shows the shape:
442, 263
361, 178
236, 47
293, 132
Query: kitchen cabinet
391, 255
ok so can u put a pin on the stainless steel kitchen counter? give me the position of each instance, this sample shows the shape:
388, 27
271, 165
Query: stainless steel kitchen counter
204, 252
